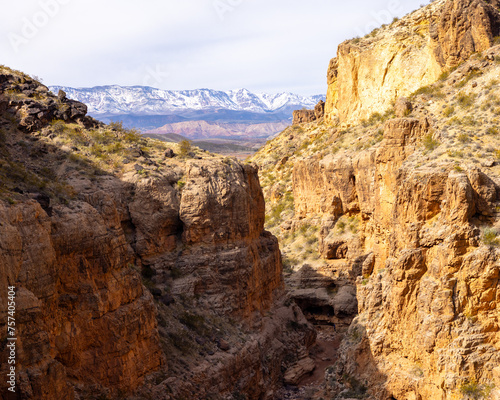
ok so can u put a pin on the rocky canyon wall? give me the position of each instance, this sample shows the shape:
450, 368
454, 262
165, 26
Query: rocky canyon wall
370, 73
428, 320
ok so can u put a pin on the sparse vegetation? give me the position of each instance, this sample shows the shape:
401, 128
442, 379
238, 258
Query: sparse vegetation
473, 74
490, 237
185, 148
429, 90
429, 142
475, 391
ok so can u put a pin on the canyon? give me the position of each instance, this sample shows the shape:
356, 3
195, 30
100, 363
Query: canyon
355, 255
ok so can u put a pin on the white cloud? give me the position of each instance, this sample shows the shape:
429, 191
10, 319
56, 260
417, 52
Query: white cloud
277, 45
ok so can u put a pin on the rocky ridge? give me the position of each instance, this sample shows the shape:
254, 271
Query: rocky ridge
370, 73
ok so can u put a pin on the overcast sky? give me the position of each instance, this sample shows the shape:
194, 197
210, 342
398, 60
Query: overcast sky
262, 45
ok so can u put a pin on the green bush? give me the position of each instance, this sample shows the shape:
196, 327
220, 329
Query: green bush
490, 237
475, 391
429, 142
184, 148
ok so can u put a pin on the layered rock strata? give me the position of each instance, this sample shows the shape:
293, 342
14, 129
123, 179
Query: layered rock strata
428, 294
370, 73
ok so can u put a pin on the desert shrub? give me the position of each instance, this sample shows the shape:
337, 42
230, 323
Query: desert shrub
463, 138
184, 148
449, 110
58, 126
377, 117
444, 75
490, 237
194, 322
424, 90
492, 130
429, 142
353, 223
341, 226
466, 100
475, 391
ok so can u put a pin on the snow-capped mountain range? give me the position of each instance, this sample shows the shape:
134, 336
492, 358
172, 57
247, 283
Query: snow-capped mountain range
144, 100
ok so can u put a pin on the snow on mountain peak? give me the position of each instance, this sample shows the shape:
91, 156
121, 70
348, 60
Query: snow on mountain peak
144, 100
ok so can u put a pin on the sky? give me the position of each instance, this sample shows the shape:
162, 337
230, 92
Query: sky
262, 45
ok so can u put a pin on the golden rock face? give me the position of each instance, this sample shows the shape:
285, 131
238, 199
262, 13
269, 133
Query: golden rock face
429, 305
370, 73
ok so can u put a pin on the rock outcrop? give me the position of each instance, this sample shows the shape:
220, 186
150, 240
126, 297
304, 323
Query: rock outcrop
370, 73
22, 98
305, 116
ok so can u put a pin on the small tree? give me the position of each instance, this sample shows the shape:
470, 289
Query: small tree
184, 148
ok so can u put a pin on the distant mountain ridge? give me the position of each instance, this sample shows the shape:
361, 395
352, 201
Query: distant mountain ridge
143, 100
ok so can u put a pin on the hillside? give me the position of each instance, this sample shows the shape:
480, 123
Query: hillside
141, 268
387, 211
204, 129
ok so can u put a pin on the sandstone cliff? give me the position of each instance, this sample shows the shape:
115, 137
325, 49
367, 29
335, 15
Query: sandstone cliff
402, 216
370, 73
139, 268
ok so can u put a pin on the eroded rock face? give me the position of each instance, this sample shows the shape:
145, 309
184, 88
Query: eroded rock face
427, 289
84, 316
464, 28
369, 74
82, 312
